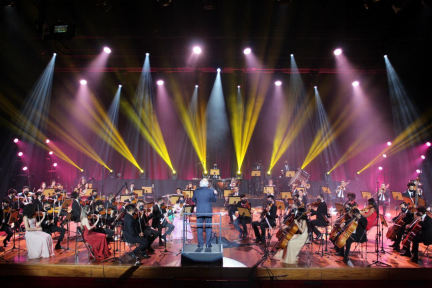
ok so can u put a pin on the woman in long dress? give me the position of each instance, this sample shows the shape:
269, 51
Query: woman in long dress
97, 241
289, 255
178, 221
371, 215
39, 244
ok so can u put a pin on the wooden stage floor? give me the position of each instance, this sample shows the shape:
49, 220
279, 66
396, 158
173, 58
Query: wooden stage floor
238, 262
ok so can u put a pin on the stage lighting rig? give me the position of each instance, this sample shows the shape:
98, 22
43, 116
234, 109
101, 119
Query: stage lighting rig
112, 174
59, 31
142, 175
174, 175
164, 3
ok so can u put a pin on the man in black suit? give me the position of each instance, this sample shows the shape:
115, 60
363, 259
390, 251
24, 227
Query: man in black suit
76, 206
159, 222
268, 220
423, 236
357, 236
322, 210
150, 233
242, 219
407, 218
203, 198
4, 226
383, 197
51, 225
284, 169
132, 234
410, 192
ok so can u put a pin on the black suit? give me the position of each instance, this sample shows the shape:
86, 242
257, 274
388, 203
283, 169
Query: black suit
320, 221
407, 220
358, 236
424, 235
271, 216
406, 194
54, 228
76, 211
241, 220
158, 214
131, 232
149, 233
384, 201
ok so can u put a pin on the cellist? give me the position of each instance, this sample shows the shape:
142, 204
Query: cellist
424, 235
407, 218
357, 236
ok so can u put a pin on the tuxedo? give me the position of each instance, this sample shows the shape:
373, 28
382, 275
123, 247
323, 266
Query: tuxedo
131, 232
322, 210
76, 211
158, 214
407, 220
271, 215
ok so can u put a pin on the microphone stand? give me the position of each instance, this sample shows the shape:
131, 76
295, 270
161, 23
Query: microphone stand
116, 226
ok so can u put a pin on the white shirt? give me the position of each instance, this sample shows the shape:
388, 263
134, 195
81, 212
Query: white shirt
423, 217
340, 193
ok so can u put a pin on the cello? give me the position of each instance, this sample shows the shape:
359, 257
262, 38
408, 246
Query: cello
287, 234
398, 224
345, 233
414, 229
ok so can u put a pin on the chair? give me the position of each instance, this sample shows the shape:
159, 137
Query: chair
127, 243
88, 247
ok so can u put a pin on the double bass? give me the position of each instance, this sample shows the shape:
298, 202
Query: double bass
398, 225
345, 233
413, 229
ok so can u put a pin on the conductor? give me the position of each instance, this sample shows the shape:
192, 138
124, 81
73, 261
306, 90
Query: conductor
203, 198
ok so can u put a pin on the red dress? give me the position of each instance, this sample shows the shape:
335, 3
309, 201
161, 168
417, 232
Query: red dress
371, 221
99, 244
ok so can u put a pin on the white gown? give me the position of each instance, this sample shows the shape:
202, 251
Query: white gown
290, 254
39, 244
178, 225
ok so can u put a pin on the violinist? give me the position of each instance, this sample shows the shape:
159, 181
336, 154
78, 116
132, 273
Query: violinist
42, 187
132, 234
10, 198
423, 236
189, 187
38, 201
97, 241
357, 236
351, 200
53, 184
320, 212
131, 199
110, 202
26, 196
302, 197
289, 255
76, 206
92, 199
160, 221
6, 210
383, 194
83, 187
179, 208
407, 218
242, 219
232, 207
370, 212
150, 234
50, 225
106, 218
267, 220
129, 189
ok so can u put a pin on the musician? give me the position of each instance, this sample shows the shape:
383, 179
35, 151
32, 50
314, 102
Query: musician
232, 207
92, 199
291, 209
410, 192
295, 190
106, 220
110, 202
370, 212
132, 233
130, 189
10, 198
357, 236
131, 199
214, 177
321, 212
232, 184
4, 226
76, 206
269, 215
143, 217
257, 181
383, 195
38, 201
242, 219
271, 184
302, 197
26, 198
350, 200
42, 187
423, 236
189, 187
289, 255
82, 189
159, 221
53, 184
50, 225
284, 169
179, 191
407, 218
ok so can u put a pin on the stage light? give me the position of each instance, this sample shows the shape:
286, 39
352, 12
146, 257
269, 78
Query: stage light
338, 51
358, 172
20, 154
418, 171
147, 54
142, 174
174, 172
291, 55
55, 54
355, 83
269, 173
239, 86
278, 83
160, 82
83, 82
315, 87
389, 143
173, 175
428, 144
239, 173
384, 155
107, 50
205, 172
388, 214
25, 168
219, 70
247, 51
82, 170
47, 141
55, 164
327, 173
16, 140
120, 86
50, 153
111, 171
141, 171
380, 168
196, 50
386, 56
196, 86
422, 157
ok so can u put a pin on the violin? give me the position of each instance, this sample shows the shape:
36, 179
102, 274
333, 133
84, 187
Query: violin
366, 209
265, 210
246, 205
316, 203
38, 214
104, 212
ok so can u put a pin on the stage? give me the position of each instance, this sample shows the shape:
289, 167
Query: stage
238, 264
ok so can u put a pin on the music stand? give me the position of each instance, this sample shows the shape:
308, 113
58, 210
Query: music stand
340, 208
68, 220
280, 205
227, 193
48, 192
301, 189
234, 199
139, 192
268, 190
243, 212
290, 174
174, 199
256, 173
325, 190
14, 216
214, 172
286, 195
366, 195
123, 198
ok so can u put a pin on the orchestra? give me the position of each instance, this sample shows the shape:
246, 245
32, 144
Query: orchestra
144, 221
